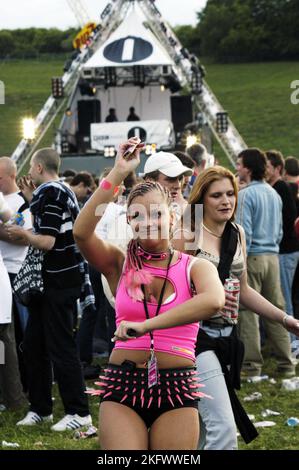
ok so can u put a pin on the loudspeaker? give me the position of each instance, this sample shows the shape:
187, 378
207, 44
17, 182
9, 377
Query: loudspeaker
89, 111
181, 111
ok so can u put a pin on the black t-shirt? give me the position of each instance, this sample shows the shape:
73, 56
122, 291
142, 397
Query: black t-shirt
289, 242
295, 192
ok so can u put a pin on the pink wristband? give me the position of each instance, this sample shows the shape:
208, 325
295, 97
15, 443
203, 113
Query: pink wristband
105, 184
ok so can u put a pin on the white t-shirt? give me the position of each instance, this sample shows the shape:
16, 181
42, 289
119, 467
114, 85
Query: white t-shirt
6, 295
14, 255
113, 227
5, 288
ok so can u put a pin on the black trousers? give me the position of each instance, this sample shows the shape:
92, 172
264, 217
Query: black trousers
49, 341
99, 323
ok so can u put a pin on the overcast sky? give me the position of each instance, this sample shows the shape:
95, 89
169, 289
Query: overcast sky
57, 13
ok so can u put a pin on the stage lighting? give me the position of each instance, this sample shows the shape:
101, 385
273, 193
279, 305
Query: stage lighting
150, 149
138, 76
110, 77
57, 87
185, 53
28, 125
191, 140
222, 122
86, 88
65, 147
196, 82
173, 83
109, 151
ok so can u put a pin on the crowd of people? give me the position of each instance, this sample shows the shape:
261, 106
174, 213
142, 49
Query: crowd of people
145, 267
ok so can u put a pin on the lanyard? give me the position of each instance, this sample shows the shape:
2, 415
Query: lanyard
160, 299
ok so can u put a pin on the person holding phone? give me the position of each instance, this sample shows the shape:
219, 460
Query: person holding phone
150, 388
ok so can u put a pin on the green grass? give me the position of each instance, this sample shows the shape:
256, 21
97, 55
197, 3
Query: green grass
278, 437
41, 437
257, 97
27, 87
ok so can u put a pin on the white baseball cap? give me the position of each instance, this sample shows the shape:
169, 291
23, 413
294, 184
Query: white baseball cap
167, 163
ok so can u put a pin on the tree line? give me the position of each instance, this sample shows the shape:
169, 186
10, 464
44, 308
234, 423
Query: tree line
31, 42
226, 31
245, 30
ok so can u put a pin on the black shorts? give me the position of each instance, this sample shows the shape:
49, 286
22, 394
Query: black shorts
126, 384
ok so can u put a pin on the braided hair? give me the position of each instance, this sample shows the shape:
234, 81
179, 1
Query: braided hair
135, 275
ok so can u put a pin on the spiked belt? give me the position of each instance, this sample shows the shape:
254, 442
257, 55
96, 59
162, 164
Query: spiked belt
128, 384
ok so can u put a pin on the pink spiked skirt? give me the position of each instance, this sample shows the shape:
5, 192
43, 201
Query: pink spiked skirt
126, 384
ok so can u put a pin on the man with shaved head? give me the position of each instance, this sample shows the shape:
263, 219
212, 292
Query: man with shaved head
8, 172
13, 253
49, 338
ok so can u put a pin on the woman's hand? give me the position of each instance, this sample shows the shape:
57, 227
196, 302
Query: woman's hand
231, 304
128, 157
122, 331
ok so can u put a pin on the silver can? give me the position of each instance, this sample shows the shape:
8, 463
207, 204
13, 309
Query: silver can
232, 286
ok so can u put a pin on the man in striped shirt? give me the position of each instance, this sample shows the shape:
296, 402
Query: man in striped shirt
49, 338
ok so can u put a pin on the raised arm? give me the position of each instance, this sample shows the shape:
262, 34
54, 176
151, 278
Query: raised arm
104, 256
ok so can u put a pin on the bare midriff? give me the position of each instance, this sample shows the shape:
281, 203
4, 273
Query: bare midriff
165, 360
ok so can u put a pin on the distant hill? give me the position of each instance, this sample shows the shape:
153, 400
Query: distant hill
257, 97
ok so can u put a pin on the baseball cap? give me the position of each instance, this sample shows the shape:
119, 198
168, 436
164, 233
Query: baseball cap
166, 163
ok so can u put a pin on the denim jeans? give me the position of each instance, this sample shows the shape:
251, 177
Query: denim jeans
287, 264
218, 428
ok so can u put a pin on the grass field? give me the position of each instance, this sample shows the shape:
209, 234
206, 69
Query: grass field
257, 97
27, 87
278, 437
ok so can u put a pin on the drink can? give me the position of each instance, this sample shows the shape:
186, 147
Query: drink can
232, 286
19, 219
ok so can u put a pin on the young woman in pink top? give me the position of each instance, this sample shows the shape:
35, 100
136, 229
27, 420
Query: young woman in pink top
149, 391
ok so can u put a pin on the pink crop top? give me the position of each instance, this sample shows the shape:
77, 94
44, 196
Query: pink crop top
180, 340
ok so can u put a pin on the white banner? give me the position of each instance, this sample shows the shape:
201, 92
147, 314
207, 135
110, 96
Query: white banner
159, 132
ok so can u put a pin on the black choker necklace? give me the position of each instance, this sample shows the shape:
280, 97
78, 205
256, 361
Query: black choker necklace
155, 256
